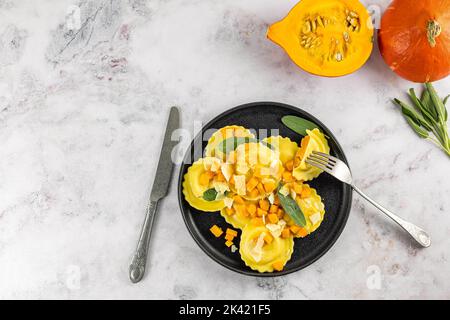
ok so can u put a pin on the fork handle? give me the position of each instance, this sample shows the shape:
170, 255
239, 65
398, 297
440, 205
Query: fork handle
417, 233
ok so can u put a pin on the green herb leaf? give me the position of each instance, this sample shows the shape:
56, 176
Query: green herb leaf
417, 129
428, 104
445, 99
438, 104
210, 194
292, 209
423, 110
298, 125
414, 116
230, 144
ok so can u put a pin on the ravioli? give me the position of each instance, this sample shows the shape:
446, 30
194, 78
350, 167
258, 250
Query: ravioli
314, 141
257, 171
261, 256
193, 191
239, 219
285, 146
313, 210
212, 148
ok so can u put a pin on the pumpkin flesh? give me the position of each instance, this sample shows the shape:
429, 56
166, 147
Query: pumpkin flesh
328, 37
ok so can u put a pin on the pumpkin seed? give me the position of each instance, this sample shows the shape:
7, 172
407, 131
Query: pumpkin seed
313, 25
303, 42
353, 22
307, 27
353, 14
338, 57
307, 45
349, 19
319, 21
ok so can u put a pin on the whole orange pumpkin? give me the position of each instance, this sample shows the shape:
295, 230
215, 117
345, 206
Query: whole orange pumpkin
414, 39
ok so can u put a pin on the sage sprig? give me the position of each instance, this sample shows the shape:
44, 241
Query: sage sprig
292, 209
298, 125
210, 194
428, 116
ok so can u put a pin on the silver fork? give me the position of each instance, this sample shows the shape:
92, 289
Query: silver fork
340, 171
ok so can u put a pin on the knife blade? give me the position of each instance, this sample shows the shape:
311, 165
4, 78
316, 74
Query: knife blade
159, 190
165, 165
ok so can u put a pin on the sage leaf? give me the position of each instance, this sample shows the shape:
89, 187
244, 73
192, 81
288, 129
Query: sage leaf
423, 110
438, 104
230, 144
292, 209
298, 125
428, 104
210, 194
417, 129
413, 115
445, 99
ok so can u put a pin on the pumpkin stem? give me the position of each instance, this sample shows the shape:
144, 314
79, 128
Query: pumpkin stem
433, 31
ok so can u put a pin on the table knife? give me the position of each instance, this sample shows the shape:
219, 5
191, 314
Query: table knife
159, 191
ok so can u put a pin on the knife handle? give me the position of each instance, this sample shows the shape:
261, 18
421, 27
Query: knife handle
137, 266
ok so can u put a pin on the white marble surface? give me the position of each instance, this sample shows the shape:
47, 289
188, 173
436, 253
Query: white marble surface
81, 120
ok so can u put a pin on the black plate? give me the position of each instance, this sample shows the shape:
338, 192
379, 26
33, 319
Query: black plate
336, 195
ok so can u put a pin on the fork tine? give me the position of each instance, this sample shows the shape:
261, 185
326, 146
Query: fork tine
322, 161
325, 155
318, 165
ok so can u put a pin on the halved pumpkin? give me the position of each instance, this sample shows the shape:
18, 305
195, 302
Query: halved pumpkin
327, 38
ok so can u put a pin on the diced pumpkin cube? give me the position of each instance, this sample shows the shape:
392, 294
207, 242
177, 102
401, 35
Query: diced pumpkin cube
229, 211
260, 212
280, 213
295, 229
241, 210
229, 237
298, 188
269, 186
268, 238
273, 208
216, 231
287, 176
260, 188
232, 180
302, 232
220, 177
251, 209
278, 265
204, 179
229, 243
238, 199
290, 165
273, 218
254, 193
257, 221
232, 232
257, 171
306, 192
286, 233
264, 204
276, 201
252, 183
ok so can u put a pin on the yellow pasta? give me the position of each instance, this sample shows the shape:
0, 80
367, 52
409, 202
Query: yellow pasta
193, 190
314, 141
260, 255
212, 148
285, 146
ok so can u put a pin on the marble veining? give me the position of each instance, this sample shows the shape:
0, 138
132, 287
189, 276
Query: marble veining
82, 110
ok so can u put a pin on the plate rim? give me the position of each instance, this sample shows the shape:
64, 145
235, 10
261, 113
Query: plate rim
348, 194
